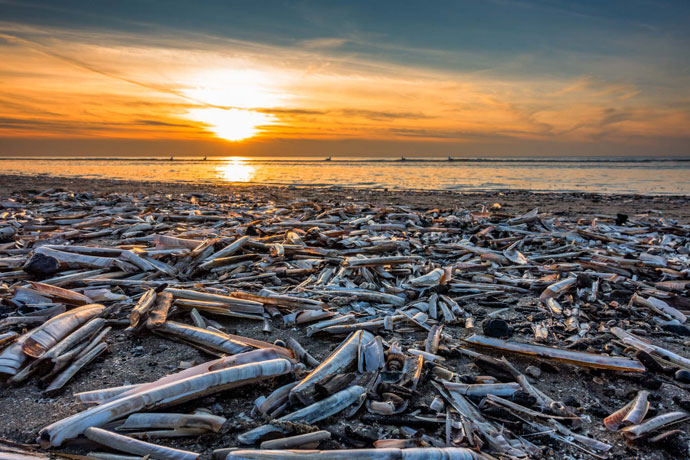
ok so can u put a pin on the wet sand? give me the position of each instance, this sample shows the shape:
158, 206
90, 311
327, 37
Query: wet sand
571, 204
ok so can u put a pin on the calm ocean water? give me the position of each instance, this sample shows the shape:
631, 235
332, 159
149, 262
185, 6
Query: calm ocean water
601, 175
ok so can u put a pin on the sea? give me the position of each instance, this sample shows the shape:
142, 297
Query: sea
608, 175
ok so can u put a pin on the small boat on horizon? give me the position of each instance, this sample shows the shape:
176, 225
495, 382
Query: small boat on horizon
327, 159
171, 158
452, 159
403, 159
204, 158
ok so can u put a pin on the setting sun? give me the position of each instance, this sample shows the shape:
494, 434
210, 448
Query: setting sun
231, 124
235, 96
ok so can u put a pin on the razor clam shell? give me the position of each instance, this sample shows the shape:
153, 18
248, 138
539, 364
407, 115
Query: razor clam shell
161, 396
638, 410
12, 358
296, 441
147, 421
371, 356
414, 453
497, 389
567, 356
55, 329
341, 359
653, 424
134, 446
81, 361
235, 304
98, 396
204, 337
310, 414
249, 357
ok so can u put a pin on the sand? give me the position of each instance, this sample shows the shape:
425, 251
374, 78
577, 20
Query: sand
570, 203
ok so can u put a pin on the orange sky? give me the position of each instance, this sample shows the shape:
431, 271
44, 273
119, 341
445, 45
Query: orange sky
90, 93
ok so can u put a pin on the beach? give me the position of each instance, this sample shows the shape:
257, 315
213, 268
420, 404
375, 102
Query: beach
344, 230
143, 356
575, 203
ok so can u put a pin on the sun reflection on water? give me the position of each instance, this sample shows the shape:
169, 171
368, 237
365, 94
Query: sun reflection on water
235, 170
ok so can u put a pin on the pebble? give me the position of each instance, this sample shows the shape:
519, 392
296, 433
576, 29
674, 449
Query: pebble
649, 362
678, 329
533, 371
682, 375
497, 328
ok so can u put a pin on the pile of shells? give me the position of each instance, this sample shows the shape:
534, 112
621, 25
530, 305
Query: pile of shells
401, 333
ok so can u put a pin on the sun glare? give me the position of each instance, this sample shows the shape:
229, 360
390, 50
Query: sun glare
231, 124
235, 170
242, 92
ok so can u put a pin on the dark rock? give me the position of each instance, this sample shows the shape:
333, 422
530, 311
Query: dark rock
251, 231
468, 379
6, 234
533, 371
441, 289
497, 328
677, 329
621, 219
682, 375
649, 362
584, 280
42, 266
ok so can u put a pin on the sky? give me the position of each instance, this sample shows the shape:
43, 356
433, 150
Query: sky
356, 78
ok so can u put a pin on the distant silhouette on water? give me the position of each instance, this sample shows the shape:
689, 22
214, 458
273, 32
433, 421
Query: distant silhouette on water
403, 159
327, 159
171, 158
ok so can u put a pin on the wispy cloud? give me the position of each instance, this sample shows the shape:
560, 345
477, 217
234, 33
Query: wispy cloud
324, 43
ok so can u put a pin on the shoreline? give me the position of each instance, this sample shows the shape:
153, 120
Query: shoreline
566, 203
